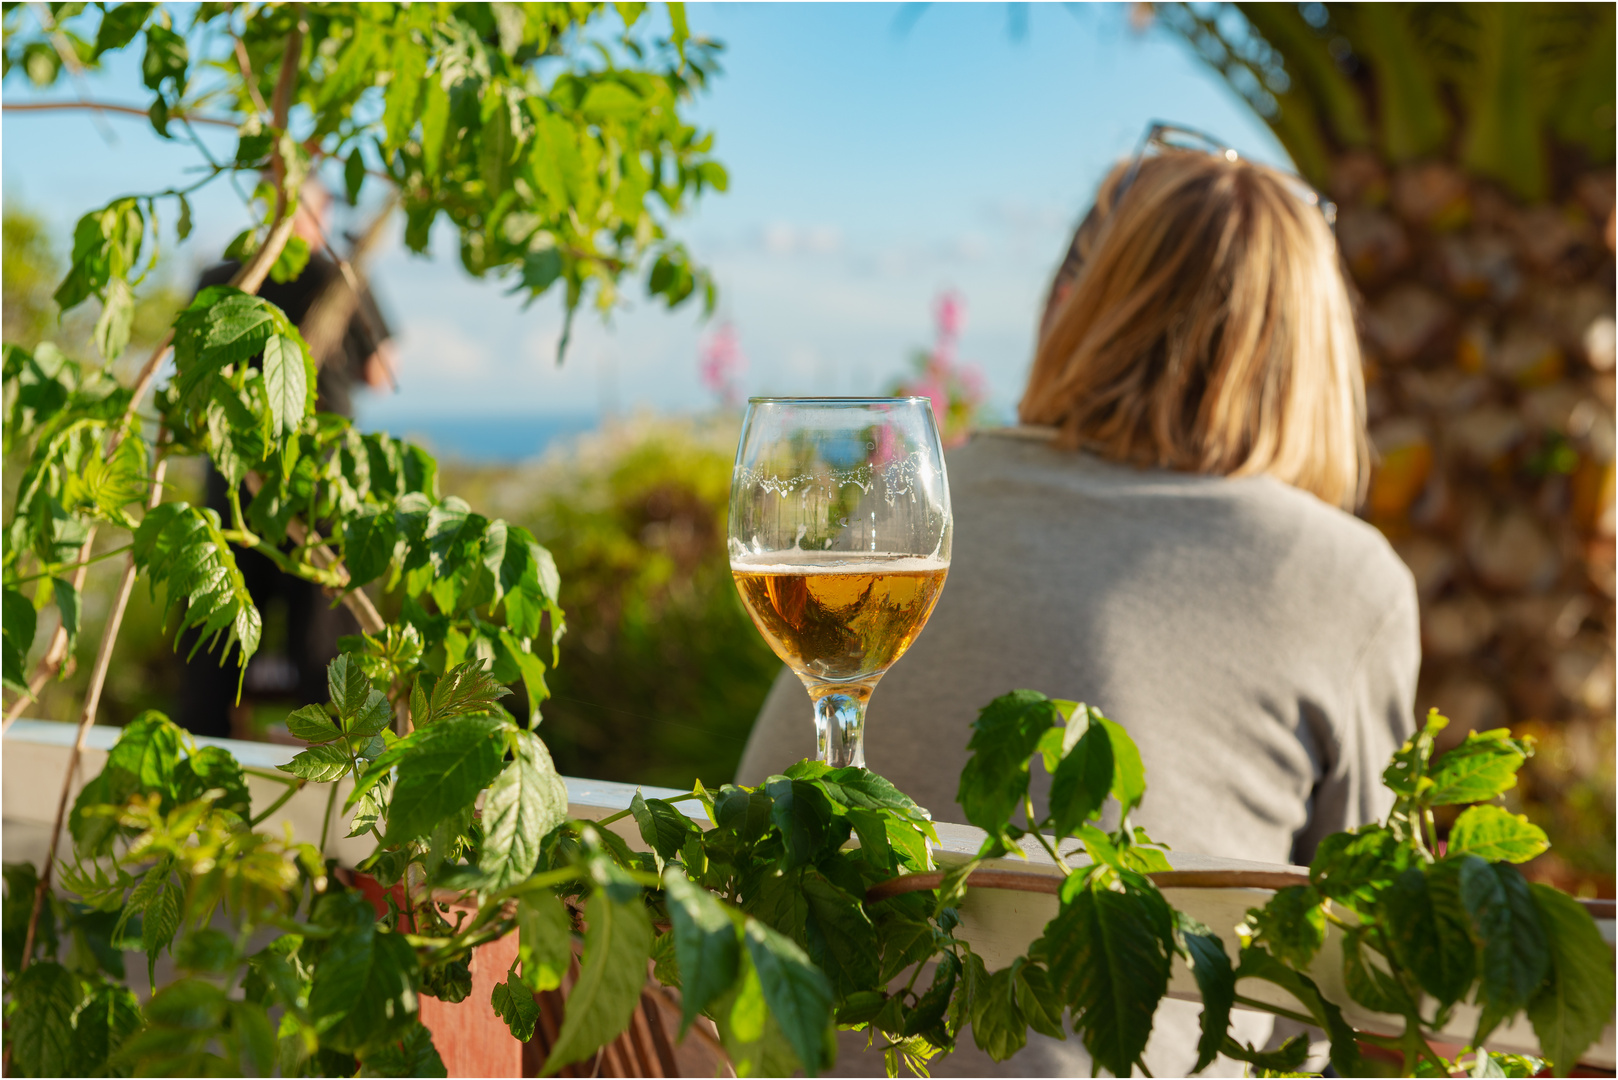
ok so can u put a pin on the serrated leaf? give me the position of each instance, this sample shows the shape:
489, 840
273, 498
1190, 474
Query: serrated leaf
312, 724
40, 1029
1292, 925
181, 548
1205, 954
1082, 779
411, 1054
544, 939
617, 946
1513, 957
1427, 929
319, 764
662, 826
514, 1003
117, 318
442, 769
466, 689
707, 945
362, 989
1128, 772
1004, 736
1494, 834
348, 685
212, 768
286, 382
372, 718
1576, 1002
1109, 954
109, 1016
798, 996
1483, 766
369, 540
527, 801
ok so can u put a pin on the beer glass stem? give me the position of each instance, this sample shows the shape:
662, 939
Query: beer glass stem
840, 724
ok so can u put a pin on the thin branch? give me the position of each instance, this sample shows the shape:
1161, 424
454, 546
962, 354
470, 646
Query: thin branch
251, 83
107, 107
70, 60
325, 558
92, 701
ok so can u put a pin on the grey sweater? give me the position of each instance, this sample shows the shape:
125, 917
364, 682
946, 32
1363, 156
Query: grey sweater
1260, 646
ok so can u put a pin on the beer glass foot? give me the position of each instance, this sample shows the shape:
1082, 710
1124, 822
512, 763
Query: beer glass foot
840, 725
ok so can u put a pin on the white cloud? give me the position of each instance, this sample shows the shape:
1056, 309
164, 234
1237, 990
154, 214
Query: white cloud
432, 350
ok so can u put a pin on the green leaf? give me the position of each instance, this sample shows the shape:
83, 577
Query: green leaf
466, 689
108, 1016
291, 262
1292, 925
1576, 1002
799, 998
117, 317
841, 938
312, 724
1037, 998
181, 547
800, 809
119, 25
1513, 956
1354, 867
617, 946
412, 1054
286, 382
369, 540
1427, 927
1210, 966
1345, 1054
363, 987
212, 768
1367, 983
373, 717
1033, 992
143, 761
1004, 736
17, 621
514, 1003
1494, 834
707, 945
998, 1024
165, 58
354, 176
442, 768
348, 685
40, 1035
1083, 776
662, 826
1108, 949
544, 939
1129, 773
319, 764
1483, 766
527, 801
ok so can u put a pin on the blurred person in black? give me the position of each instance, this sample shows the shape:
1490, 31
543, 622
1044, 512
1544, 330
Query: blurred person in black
293, 667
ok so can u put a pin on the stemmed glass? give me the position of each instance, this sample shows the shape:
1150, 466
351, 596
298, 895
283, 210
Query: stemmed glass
839, 543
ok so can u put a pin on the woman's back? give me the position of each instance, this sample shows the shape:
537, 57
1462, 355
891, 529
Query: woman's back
1260, 646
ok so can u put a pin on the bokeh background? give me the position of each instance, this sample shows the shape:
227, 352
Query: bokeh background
903, 180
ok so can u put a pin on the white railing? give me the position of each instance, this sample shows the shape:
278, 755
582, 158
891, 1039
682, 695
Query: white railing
998, 923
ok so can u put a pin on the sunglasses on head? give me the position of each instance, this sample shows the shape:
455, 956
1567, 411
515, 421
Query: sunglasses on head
1172, 138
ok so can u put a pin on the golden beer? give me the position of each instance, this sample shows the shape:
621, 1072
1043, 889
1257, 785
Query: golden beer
843, 619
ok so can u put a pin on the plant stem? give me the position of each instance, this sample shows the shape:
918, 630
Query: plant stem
292, 789
325, 823
55, 570
104, 106
619, 815
1033, 826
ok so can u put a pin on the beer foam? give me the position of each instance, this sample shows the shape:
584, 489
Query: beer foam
836, 562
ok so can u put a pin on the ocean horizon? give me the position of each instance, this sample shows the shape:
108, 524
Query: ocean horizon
498, 439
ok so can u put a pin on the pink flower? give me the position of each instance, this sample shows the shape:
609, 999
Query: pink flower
722, 363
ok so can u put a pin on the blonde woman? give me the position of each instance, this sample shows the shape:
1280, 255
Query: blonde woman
1167, 537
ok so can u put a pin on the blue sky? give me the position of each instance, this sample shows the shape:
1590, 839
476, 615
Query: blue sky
870, 169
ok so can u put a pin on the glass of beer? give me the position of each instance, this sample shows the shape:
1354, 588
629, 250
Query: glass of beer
839, 542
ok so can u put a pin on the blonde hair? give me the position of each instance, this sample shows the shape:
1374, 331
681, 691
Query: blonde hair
1206, 327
